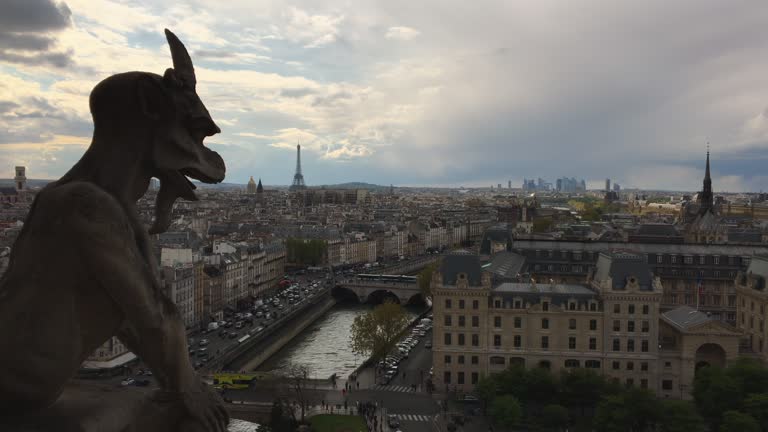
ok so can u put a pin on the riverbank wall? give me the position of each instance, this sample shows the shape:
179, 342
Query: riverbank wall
254, 356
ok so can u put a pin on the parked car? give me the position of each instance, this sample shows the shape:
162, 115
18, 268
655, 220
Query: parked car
428, 345
127, 382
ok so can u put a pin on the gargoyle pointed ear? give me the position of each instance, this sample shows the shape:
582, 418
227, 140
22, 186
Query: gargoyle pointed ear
182, 63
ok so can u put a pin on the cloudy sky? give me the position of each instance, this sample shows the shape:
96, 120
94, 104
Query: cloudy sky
414, 92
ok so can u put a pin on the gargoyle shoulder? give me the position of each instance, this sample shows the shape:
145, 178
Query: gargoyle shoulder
84, 209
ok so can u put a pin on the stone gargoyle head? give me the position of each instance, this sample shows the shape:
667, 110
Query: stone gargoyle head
147, 125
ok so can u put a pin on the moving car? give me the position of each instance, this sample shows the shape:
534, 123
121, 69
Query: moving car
393, 422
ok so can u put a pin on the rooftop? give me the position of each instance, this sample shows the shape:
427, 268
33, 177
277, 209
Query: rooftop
461, 261
524, 287
685, 317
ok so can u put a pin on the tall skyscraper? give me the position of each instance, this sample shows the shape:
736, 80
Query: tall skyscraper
298, 178
607, 185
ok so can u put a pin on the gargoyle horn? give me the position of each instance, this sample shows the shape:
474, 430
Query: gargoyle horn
182, 63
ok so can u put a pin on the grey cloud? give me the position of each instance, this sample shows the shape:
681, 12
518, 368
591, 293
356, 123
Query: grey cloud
24, 25
297, 92
56, 59
331, 99
7, 106
215, 54
34, 16
25, 41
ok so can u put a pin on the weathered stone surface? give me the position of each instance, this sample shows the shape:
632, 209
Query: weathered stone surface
87, 406
82, 270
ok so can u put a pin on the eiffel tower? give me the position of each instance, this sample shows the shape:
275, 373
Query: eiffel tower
298, 178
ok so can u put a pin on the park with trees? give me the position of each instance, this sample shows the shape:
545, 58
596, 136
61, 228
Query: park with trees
305, 252
728, 399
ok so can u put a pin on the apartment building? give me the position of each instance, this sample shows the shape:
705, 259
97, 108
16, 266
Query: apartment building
612, 323
752, 305
699, 276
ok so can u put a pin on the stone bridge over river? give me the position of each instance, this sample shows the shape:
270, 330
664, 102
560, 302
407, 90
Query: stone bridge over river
405, 290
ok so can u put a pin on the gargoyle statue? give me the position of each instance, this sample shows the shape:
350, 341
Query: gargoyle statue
82, 269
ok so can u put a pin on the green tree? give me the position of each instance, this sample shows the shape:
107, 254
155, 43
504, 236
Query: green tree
554, 417
541, 387
582, 389
645, 407
305, 252
750, 375
505, 411
486, 389
734, 421
376, 332
612, 415
297, 379
715, 392
425, 278
513, 381
756, 405
680, 416
634, 410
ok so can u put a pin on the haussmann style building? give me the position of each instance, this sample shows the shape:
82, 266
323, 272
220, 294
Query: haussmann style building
612, 324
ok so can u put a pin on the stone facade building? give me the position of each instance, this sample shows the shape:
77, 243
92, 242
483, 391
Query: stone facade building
179, 286
752, 305
691, 274
612, 324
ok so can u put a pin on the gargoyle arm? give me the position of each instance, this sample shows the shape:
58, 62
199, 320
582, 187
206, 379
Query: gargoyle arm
107, 246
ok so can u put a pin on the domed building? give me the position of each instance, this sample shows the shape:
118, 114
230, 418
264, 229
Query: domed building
251, 188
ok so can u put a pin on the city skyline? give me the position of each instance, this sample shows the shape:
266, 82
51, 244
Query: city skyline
387, 94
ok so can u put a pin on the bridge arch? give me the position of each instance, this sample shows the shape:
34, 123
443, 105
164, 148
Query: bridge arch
342, 293
382, 295
416, 299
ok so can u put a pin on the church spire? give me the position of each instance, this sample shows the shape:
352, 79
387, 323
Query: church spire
259, 187
706, 175
706, 197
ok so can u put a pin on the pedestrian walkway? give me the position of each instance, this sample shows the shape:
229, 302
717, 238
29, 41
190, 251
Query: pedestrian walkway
413, 417
394, 388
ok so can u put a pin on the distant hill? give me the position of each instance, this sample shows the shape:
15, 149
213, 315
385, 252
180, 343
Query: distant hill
353, 185
30, 182
36, 183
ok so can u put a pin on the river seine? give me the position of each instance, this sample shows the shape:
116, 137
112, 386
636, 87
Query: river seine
324, 346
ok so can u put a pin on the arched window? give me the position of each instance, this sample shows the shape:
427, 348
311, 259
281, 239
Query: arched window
497, 360
516, 361
571, 363
592, 364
